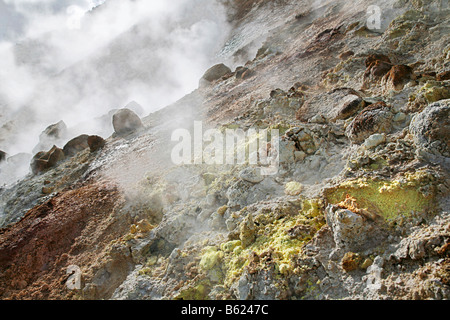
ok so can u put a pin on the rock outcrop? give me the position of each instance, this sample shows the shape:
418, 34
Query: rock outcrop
95, 143
376, 118
355, 205
54, 134
216, 72
76, 145
45, 160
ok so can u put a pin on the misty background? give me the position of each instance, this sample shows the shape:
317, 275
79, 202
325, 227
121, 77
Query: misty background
76, 60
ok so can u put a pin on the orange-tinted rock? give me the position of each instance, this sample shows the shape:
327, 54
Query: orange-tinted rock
398, 75
377, 65
443, 76
350, 261
378, 69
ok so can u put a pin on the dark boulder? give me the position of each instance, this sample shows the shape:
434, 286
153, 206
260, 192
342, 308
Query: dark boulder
216, 72
126, 121
95, 143
377, 66
2, 156
443, 76
46, 160
76, 145
376, 118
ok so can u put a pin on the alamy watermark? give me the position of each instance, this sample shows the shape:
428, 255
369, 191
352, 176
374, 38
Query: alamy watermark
374, 18
74, 280
257, 147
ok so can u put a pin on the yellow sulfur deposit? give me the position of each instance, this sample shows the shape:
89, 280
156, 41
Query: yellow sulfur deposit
388, 199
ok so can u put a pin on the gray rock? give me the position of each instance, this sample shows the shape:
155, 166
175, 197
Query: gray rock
216, 72
351, 231
287, 149
76, 145
376, 118
399, 117
54, 134
135, 107
374, 140
252, 175
348, 227
340, 103
431, 127
126, 121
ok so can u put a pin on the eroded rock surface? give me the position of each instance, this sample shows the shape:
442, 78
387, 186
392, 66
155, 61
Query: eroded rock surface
357, 207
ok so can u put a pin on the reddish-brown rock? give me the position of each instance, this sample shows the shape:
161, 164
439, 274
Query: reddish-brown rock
73, 228
95, 143
398, 75
46, 160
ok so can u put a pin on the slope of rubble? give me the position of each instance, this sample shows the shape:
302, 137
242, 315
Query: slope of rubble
357, 209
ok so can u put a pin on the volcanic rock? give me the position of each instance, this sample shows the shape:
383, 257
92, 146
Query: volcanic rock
76, 145
349, 106
443, 76
431, 127
52, 135
95, 143
126, 121
397, 76
377, 65
46, 160
376, 118
243, 73
216, 72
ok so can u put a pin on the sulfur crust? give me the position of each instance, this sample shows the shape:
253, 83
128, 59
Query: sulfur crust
388, 199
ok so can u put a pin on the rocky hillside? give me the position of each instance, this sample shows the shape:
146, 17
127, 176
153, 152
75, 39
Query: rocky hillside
358, 207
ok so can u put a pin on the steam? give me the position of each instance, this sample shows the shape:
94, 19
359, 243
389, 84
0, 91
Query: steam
75, 60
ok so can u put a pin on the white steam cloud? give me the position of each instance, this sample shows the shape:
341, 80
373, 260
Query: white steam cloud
75, 60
